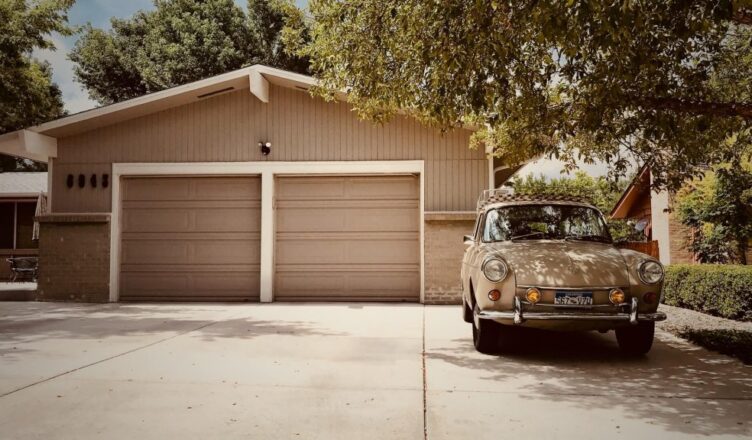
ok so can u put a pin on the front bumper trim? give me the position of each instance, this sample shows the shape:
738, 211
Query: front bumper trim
518, 316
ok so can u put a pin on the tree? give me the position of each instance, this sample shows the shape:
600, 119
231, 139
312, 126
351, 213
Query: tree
600, 191
610, 81
719, 209
27, 94
266, 20
179, 42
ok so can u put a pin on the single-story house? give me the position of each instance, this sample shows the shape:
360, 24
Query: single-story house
652, 210
244, 187
19, 193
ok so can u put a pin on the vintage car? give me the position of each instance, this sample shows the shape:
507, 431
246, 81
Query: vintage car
550, 263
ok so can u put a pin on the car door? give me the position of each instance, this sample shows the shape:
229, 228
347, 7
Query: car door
472, 249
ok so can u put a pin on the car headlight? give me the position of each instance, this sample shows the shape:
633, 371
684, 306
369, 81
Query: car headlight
495, 270
650, 272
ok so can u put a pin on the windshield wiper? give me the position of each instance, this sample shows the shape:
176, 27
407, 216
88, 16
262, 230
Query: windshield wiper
517, 237
587, 237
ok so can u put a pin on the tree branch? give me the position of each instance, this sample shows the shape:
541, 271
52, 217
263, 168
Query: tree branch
743, 110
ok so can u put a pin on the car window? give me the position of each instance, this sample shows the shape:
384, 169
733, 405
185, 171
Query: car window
478, 225
557, 222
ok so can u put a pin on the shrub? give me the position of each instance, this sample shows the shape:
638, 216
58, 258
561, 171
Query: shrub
721, 290
736, 343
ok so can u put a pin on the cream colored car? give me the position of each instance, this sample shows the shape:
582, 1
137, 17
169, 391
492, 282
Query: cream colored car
551, 263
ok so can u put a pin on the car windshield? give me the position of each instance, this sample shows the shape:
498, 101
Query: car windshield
551, 222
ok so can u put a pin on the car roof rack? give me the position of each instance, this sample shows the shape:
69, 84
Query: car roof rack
490, 196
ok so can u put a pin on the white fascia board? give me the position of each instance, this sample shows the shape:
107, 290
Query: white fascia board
28, 145
276, 76
259, 86
279, 76
142, 100
242, 168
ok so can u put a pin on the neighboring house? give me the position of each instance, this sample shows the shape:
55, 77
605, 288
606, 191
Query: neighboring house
639, 203
172, 196
18, 202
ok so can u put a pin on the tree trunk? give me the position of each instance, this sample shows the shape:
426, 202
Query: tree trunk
743, 250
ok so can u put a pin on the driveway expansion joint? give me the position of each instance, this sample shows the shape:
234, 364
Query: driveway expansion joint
115, 356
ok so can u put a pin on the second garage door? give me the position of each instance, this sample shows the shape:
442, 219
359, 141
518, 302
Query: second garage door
347, 238
190, 239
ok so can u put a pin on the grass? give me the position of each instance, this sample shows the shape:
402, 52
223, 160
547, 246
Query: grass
736, 343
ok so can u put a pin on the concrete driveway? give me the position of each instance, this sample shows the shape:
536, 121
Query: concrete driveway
342, 371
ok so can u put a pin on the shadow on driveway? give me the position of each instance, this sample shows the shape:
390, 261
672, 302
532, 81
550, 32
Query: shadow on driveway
678, 387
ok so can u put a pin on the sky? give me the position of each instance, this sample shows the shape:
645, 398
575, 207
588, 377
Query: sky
98, 14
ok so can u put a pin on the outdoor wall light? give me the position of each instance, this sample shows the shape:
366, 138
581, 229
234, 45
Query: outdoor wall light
105, 180
81, 181
69, 181
266, 148
93, 180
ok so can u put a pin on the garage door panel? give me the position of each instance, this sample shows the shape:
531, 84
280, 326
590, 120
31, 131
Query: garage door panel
146, 220
190, 238
192, 189
190, 220
391, 188
191, 252
373, 285
348, 187
362, 251
230, 220
349, 219
204, 285
347, 238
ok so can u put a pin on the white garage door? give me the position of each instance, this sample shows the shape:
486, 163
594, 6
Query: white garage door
190, 239
347, 238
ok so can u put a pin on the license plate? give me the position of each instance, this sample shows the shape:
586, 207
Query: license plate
574, 298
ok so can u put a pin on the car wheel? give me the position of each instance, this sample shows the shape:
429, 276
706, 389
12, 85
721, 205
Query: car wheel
637, 339
467, 312
485, 333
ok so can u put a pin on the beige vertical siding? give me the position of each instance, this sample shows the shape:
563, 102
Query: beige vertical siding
228, 128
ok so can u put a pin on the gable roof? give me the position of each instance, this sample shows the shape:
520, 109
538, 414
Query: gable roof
28, 184
40, 141
255, 78
639, 187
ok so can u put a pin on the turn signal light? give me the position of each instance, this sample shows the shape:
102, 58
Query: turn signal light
649, 298
494, 295
533, 295
616, 296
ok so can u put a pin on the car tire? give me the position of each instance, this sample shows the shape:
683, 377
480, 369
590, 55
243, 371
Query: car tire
467, 312
485, 333
636, 340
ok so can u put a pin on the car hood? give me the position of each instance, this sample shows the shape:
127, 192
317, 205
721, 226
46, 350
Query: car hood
553, 263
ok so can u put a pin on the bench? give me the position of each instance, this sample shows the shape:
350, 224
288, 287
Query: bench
23, 267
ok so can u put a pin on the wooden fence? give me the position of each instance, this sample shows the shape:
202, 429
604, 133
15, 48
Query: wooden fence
648, 247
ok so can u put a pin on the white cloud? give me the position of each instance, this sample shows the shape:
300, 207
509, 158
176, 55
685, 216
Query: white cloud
76, 99
553, 168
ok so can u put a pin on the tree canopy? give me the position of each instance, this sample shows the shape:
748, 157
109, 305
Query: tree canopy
667, 83
719, 209
27, 94
600, 191
180, 41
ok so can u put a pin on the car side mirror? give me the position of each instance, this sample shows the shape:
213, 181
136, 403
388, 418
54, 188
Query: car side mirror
468, 239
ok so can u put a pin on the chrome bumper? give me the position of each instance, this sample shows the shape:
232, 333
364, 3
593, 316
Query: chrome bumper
518, 316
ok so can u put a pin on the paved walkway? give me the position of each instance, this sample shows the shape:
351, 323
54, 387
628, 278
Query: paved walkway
342, 371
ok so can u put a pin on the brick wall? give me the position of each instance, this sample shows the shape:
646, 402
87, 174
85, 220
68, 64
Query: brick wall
679, 236
443, 255
74, 258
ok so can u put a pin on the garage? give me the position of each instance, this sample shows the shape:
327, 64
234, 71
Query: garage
347, 238
190, 238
